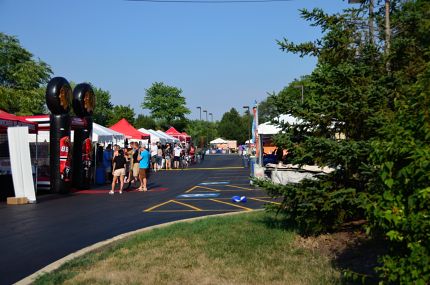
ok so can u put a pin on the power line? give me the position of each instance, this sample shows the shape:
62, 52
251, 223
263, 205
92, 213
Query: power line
209, 1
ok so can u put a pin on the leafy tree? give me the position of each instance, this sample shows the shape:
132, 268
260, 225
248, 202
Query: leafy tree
21, 78
202, 132
146, 122
165, 103
121, 112
233, 126
343, 95
103, 109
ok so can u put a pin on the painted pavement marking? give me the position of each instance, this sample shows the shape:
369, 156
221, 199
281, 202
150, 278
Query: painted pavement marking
199, 195
231, 204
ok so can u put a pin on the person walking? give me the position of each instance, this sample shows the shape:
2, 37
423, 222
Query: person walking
144, 163
119, 162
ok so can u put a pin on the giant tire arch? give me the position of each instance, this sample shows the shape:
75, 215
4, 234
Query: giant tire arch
70, 168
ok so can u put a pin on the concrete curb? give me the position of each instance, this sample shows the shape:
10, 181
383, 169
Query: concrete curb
55, 265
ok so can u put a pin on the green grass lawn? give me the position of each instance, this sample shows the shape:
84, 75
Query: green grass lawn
240, 249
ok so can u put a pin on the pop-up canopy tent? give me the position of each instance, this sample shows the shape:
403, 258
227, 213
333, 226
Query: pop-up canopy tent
176, 134
218, 141
9, 120
155, 137
103, 134
124, 127
169, 138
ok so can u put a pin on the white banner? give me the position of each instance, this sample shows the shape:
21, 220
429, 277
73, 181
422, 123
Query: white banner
20, 160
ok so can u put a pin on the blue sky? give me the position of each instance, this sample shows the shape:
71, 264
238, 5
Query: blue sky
220, 55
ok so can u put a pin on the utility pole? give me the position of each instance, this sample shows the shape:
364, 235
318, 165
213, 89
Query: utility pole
371, 26
302, 87
387, 34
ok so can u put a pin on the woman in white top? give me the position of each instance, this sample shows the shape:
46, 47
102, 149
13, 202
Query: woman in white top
176, 155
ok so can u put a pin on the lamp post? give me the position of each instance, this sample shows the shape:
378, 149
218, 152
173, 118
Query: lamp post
207, 131
249, 127
200, 109
212, 117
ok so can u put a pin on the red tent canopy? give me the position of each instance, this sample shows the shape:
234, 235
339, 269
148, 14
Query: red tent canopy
187, 137
10, 120
124, 127
175, 133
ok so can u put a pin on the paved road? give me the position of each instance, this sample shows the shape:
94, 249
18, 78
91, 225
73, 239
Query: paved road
33, 236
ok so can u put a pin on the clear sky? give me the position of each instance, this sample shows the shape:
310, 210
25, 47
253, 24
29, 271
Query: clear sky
220, 55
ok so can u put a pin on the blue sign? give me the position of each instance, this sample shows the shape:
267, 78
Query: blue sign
215, 183
201, 195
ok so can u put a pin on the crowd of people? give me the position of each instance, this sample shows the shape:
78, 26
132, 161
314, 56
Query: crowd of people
134, 162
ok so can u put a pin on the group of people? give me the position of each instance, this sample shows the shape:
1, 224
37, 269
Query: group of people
137, 160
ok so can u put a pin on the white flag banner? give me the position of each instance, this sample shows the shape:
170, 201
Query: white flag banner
20, 162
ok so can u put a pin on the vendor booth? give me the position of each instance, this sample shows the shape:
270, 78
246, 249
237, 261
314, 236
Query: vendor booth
124, 127
168, 138
8, 120
176, 134
154, 136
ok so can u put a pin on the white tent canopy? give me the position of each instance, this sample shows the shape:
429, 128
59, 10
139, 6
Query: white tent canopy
103, 134
272, 129
155, 137
218, 141
168, 138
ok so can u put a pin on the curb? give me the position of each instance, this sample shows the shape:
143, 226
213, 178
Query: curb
57, 264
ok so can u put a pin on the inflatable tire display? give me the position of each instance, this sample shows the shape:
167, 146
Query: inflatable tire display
82, 156
83, 100
60, 153
58, 96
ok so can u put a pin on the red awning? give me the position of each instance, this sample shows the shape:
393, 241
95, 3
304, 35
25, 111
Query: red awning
10, 120
124, 127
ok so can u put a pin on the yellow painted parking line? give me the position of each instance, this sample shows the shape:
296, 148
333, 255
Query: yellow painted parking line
231, 204
183, 211
209, 168
191, 189
203, 187
158, 205
239, 187
256, 199
205, 199
186, 205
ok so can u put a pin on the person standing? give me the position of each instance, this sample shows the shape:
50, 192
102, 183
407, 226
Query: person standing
107, 161
144, 168
119, 162
154, 153
135, 163
168, 156
176, 156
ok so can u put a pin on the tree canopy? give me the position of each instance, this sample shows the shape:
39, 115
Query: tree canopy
165, 103
234, 127
21, 78
119, 112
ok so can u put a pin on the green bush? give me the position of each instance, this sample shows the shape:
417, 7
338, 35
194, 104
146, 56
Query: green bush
398, 206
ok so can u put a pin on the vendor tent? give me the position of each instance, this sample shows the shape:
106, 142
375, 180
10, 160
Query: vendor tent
174, 133
269, 128
124, 127
218, 141
168, 138
10, 120
155, 137
103, 134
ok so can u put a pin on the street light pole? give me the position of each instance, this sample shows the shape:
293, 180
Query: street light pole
212, 117
200, 109
207, 131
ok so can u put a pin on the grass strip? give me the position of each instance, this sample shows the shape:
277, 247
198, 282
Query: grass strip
241, 249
